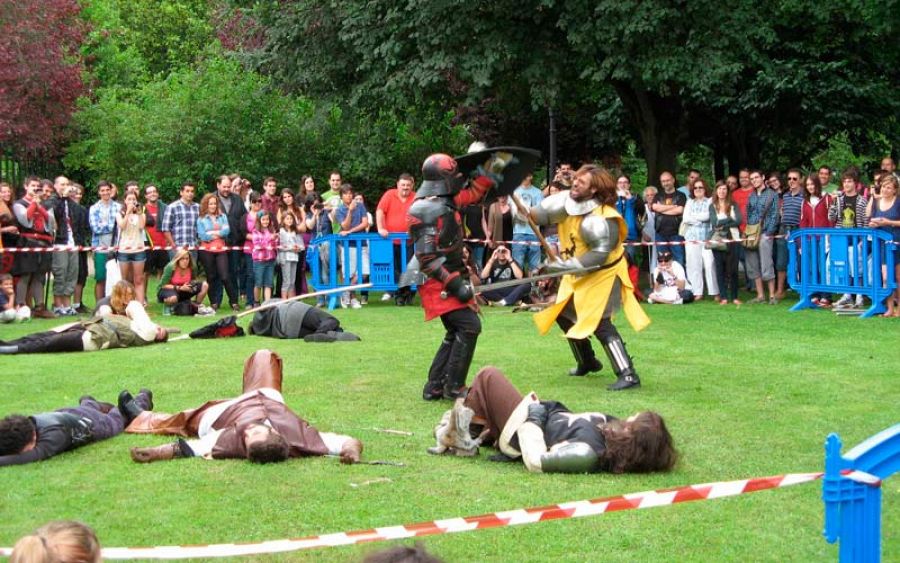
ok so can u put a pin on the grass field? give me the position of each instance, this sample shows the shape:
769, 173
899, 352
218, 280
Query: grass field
747, 392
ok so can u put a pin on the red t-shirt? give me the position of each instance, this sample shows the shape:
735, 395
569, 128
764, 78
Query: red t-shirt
156, 237
395, 210
741, 198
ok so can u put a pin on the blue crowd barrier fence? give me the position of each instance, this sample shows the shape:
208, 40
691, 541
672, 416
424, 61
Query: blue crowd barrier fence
841, 261
851, 491
334, 258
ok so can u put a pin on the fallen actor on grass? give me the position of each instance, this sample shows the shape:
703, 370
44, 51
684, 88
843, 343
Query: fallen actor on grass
257, 425
295, 319
26, 439
549, 438
98, 333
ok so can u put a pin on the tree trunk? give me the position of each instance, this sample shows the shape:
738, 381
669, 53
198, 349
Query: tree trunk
719, 161
658, 121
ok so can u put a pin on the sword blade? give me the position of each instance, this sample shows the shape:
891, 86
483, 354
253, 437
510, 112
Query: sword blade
520, 281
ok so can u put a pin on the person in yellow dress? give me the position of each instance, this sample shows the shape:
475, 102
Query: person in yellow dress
591, 236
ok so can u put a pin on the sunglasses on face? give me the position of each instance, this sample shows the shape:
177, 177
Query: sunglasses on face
662, 260
793, 178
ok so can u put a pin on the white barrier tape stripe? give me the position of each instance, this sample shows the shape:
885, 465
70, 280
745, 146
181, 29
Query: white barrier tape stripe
571, 509
861, 477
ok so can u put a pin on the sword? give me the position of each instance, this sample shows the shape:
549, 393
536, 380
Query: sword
511, 283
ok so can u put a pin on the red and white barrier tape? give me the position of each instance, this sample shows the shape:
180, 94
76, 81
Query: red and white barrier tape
575, 509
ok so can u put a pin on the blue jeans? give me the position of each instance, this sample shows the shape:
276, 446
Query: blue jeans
264, 273
676, 249
527, 256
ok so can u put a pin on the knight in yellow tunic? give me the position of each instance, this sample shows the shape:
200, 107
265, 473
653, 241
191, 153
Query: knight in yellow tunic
591, 234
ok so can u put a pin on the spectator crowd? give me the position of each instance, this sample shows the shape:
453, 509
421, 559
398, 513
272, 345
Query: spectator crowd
249, 245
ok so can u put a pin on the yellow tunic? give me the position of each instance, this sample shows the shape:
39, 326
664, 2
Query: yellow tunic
591, 291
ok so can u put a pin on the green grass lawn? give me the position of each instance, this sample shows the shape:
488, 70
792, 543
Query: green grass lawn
750, 391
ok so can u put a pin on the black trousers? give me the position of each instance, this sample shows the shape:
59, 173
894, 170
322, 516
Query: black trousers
215, 264
317, 320
455, 354
39, 342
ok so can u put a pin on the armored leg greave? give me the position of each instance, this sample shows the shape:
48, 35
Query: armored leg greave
618, 356
437, 374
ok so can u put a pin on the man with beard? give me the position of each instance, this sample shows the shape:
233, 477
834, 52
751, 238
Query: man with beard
591, 236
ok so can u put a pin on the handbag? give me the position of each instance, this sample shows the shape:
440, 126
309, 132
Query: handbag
683, 229
716, 242
753, 232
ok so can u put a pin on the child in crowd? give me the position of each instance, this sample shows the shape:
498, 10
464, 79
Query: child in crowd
290, 243
264, 242
255, 204
670, 284
8, 311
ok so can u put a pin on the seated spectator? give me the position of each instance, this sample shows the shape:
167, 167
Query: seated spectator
296, 319
549, 438
8, 311
97, 333
26, 439
669, 283
63, 541
118, 299
501, 267
256, 425
179, 289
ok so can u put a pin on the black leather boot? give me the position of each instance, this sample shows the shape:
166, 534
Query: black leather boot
128, 407
586, 361
434, 387
458, 365
626, 377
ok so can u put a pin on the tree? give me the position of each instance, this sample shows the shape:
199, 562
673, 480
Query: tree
40, 73
740, 76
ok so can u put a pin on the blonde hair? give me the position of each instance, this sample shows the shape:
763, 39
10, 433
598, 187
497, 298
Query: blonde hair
63, 541
121, 294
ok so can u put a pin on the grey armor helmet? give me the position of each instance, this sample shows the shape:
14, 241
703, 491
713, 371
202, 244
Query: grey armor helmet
440, 177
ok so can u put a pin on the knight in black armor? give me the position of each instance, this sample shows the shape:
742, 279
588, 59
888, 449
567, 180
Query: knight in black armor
435, 227
26, 439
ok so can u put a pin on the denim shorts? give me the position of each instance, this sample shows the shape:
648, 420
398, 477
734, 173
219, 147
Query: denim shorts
264, 273
132, 257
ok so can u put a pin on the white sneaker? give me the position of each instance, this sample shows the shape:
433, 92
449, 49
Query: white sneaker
355, 304
205, 311
387, 297
59, 311
860, 303
845, 301
345, 300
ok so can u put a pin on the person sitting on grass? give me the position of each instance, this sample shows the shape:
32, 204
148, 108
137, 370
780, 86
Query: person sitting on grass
549, 438
180, 290
8, 311
63, 541
96, 333
501, 267
26, 439
669, 282
256, 426
114, 304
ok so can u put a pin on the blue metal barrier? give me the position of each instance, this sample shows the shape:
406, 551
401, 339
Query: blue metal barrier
851, 491
372, 254
841, 261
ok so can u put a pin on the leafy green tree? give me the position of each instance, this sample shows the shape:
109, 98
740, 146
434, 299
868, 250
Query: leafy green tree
750, 79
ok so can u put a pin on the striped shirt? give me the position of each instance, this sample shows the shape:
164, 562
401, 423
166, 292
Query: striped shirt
791, 206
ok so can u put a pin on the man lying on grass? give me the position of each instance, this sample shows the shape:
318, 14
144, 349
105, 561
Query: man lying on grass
547, 436
98, 333
25, 439
256, 425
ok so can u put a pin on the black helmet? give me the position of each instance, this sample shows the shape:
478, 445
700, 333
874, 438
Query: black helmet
440, 176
